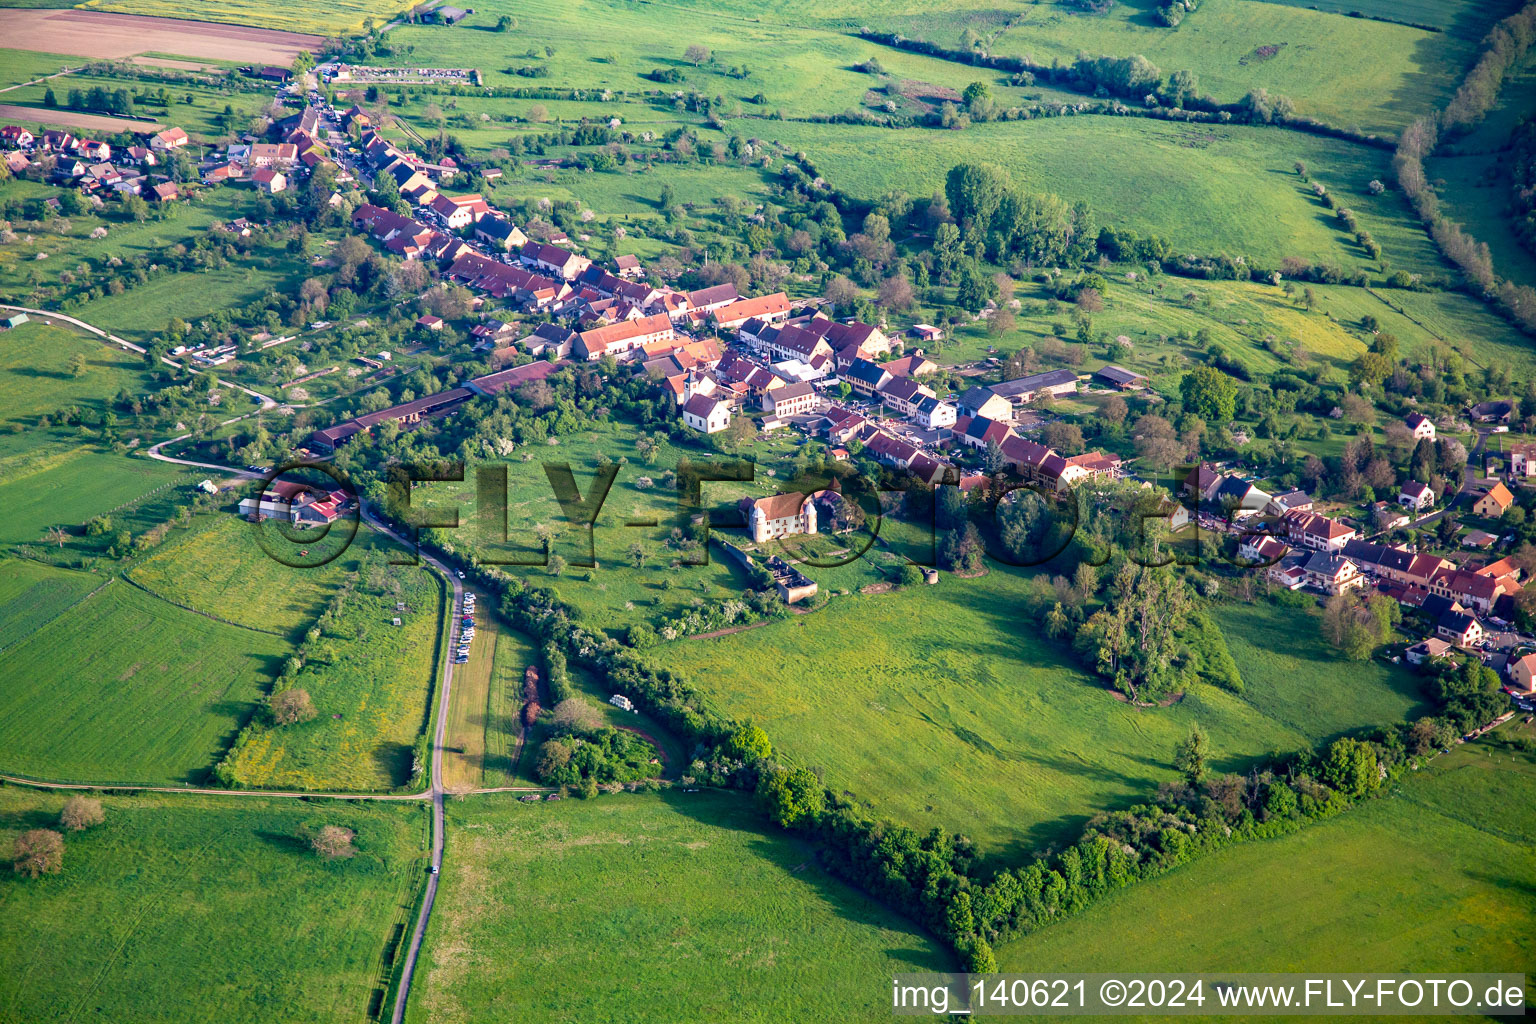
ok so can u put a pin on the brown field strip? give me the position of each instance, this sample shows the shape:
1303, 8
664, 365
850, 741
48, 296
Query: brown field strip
117, 36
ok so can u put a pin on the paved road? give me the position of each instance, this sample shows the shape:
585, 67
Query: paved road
1473, 472
435, 787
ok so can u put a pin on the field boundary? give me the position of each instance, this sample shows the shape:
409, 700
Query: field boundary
63, 611
206, 615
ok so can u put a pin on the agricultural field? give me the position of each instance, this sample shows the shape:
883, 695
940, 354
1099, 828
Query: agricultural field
673, 906
57, 484
103, 34
370, 681
335, 18
220, 568
799, 67
32, 595
1458, 835
162, 709
938, 706
44, 368
183, 908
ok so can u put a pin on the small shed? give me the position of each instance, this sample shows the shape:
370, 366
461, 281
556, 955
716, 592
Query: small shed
15, 320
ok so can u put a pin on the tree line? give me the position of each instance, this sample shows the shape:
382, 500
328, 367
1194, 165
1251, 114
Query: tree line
1505, 46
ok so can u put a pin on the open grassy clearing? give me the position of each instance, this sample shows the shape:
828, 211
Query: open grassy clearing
475, 710
1206, 188
939, 706
32, 594
38, 378
127, 688
1291, 674
668, 907
798, 66
1318, 62
220, 568
1472, 176
1469, 19
40, 255
613, 594
61, 484
107, 34
141, 313
17, 66
191, 908
1434, 876
1239, 316
370, 684
196, 117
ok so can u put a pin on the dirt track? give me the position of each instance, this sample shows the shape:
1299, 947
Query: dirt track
116, 36
75, 119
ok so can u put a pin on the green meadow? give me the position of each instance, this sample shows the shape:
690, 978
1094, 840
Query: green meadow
371, 682
38, 379
940, 706
1208, 189
666, 907
66, 483
125, 687
1433, 876
32, 594
220, 568
182, 908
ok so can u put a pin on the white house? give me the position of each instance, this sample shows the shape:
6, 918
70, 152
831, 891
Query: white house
706, 414
1416, 496
1420, 425
780, 515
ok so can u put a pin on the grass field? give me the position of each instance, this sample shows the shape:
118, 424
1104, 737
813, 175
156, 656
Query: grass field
475, 744
36, 375
40, 256
1469, 19
18, 66
200, 908
1206, 188
197, 117
141, 313
940, 706
800, 66
370, 686
1317, 63
667, 907
1433, 877
33, 594
127, 688
221, 569
317, 17
57, 484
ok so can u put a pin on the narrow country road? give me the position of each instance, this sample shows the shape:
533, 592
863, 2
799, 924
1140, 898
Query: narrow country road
267, 402
435, 776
